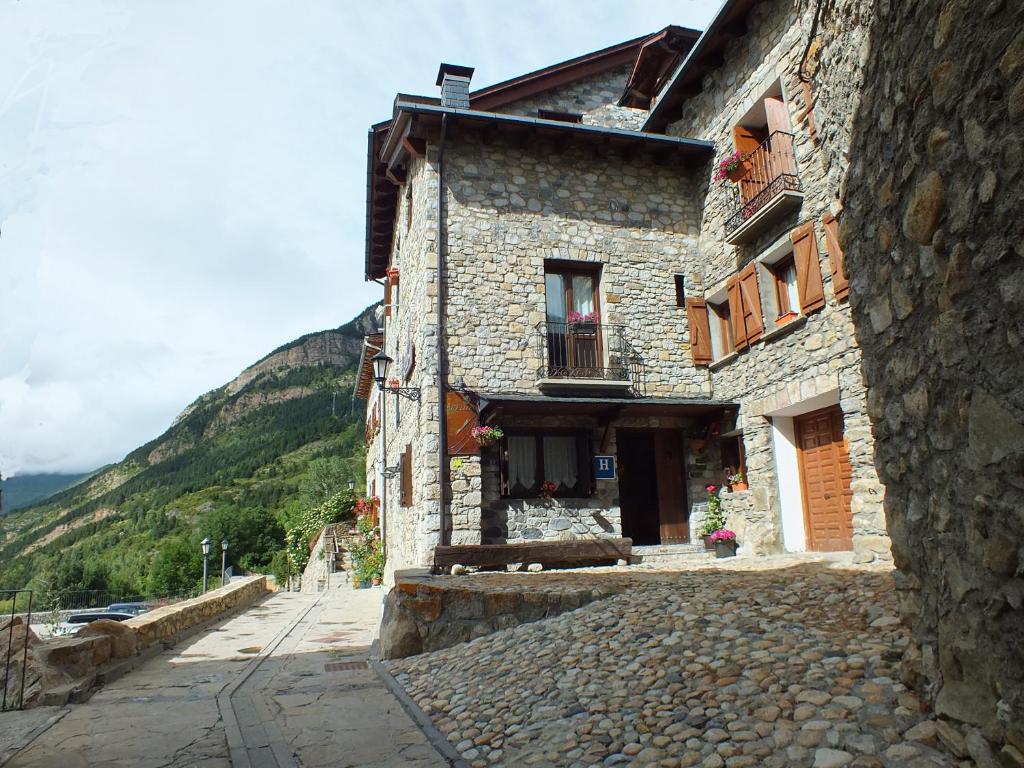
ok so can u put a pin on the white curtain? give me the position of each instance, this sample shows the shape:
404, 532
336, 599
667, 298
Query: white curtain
583, 294
794, 297
560, 466
522, 462
554, 292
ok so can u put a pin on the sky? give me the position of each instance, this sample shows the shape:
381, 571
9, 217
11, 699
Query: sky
182, 185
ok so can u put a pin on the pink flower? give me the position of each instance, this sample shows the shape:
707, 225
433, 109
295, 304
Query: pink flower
723, 534
711, 488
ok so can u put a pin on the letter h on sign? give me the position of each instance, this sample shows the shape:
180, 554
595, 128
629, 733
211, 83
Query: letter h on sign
604, 467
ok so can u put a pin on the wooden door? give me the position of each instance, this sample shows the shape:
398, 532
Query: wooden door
673, 512
825, 478
638, 487
747, 141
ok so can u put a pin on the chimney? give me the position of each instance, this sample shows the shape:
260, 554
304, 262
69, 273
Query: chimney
454, 82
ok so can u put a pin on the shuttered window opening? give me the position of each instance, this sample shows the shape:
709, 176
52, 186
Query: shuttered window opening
808, 268
529, 459
680, 290
745, 307
837, 263
722, 340
700, 331
406, 475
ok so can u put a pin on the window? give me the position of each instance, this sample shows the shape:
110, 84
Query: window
764, 136
574, 348
531, 458
734, 459
680, 291
722, 339
787, 301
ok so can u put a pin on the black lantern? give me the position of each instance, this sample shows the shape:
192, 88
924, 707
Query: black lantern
381, 363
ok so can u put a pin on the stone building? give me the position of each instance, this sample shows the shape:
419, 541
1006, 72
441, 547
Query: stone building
558, 261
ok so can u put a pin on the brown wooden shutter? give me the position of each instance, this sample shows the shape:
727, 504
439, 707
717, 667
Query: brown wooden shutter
808, 268
777, 115
387, 297
745, 140
406, 466
753, 322
700, 331
461, 418
739, 333
840, 283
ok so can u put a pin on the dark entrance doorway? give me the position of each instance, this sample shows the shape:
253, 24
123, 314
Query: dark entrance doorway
652, 487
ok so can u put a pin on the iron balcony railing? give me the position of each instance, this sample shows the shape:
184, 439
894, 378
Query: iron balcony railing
770, 171
584, 350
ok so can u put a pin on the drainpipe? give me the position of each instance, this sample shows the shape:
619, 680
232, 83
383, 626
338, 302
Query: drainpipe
442, 414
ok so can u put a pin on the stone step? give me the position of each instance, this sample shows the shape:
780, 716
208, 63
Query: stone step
670, 554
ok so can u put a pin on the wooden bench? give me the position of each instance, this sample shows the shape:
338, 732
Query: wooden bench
571, 553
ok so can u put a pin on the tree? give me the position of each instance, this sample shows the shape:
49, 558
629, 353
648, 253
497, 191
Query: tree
178, 567
253, 536
324, 478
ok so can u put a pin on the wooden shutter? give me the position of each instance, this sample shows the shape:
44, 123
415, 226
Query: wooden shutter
808, 268
461, 418
840, 283
700, 331
753, 323
778, 115
739, 333
406, 465
387, 297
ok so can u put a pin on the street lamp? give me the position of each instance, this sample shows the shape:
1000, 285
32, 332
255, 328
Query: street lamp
351, 486
380, 363
223, 562
205, 544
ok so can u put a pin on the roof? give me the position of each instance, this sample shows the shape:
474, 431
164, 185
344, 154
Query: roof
372, 344
382, 191
657, 59
668, 406
707, 54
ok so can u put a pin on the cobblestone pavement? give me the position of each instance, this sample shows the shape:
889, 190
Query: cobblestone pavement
289, 711
766, 663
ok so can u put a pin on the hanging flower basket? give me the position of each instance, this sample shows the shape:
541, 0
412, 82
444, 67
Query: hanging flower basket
733, 167
584, 323
487, 435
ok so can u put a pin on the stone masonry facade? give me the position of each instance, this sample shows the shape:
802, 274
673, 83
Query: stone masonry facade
933, 228
512, 206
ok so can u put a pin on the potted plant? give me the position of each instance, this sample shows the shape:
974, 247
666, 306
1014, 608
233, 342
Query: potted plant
487, 435
548, 489
737, 482
714, 520
732, 167
725, 543
583, 323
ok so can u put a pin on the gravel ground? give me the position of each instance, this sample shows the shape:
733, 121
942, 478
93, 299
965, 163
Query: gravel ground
793, 666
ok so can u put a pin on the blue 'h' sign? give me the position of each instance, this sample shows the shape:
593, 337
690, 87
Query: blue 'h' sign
604, 467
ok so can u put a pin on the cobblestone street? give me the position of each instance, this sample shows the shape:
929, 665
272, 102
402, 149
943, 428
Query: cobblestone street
767, 663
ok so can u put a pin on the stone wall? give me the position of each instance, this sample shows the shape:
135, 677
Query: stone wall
935, 246
319, 573
595, 97
818, 352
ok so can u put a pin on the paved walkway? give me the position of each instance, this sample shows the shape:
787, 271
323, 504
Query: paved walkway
253, 691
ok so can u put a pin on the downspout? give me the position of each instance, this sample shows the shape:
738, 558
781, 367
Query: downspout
442, 414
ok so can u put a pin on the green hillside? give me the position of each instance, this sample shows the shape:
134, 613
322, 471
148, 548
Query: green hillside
23, 490
242, 462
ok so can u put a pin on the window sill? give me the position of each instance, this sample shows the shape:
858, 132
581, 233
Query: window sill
723, 361
788, 327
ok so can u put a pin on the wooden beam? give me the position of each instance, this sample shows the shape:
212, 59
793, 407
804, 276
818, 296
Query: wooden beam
573, 552
396, 175
415, 147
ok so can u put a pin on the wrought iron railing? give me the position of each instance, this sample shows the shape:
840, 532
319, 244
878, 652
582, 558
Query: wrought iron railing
14, 642
770, 170
583, 350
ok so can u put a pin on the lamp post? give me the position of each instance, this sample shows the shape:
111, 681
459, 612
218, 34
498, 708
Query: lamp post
223, 562
381, 362
351, 486
205, 544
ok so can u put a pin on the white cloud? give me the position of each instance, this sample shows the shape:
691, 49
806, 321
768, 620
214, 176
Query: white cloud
181, 186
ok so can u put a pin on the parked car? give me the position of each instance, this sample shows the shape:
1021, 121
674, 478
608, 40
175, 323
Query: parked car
76, 621
135, 609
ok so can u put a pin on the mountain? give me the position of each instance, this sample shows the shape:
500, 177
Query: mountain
22, 490
236, 462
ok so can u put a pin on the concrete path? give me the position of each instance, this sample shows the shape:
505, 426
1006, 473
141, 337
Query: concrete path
253, 691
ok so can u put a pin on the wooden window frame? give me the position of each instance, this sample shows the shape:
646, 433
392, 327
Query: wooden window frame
784, 312
588, 268
584, 459
722, 313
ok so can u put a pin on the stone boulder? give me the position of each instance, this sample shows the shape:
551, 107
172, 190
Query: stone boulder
399, 635
124, 641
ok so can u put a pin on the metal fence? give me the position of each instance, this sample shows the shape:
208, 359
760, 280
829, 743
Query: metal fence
15, 646
98, 599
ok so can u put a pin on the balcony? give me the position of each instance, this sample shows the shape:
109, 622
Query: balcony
768, 190
587, 355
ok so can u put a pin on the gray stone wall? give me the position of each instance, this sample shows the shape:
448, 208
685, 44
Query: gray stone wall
819, 352
594, 97
935, 244
512, 207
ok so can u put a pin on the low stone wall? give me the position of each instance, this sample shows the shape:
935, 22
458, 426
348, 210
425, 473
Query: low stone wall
424, 613
66, 668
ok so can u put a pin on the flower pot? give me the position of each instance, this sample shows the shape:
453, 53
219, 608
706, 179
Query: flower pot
739, 172
709, 545
725, 548
584, 328
376, 582
739, 486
